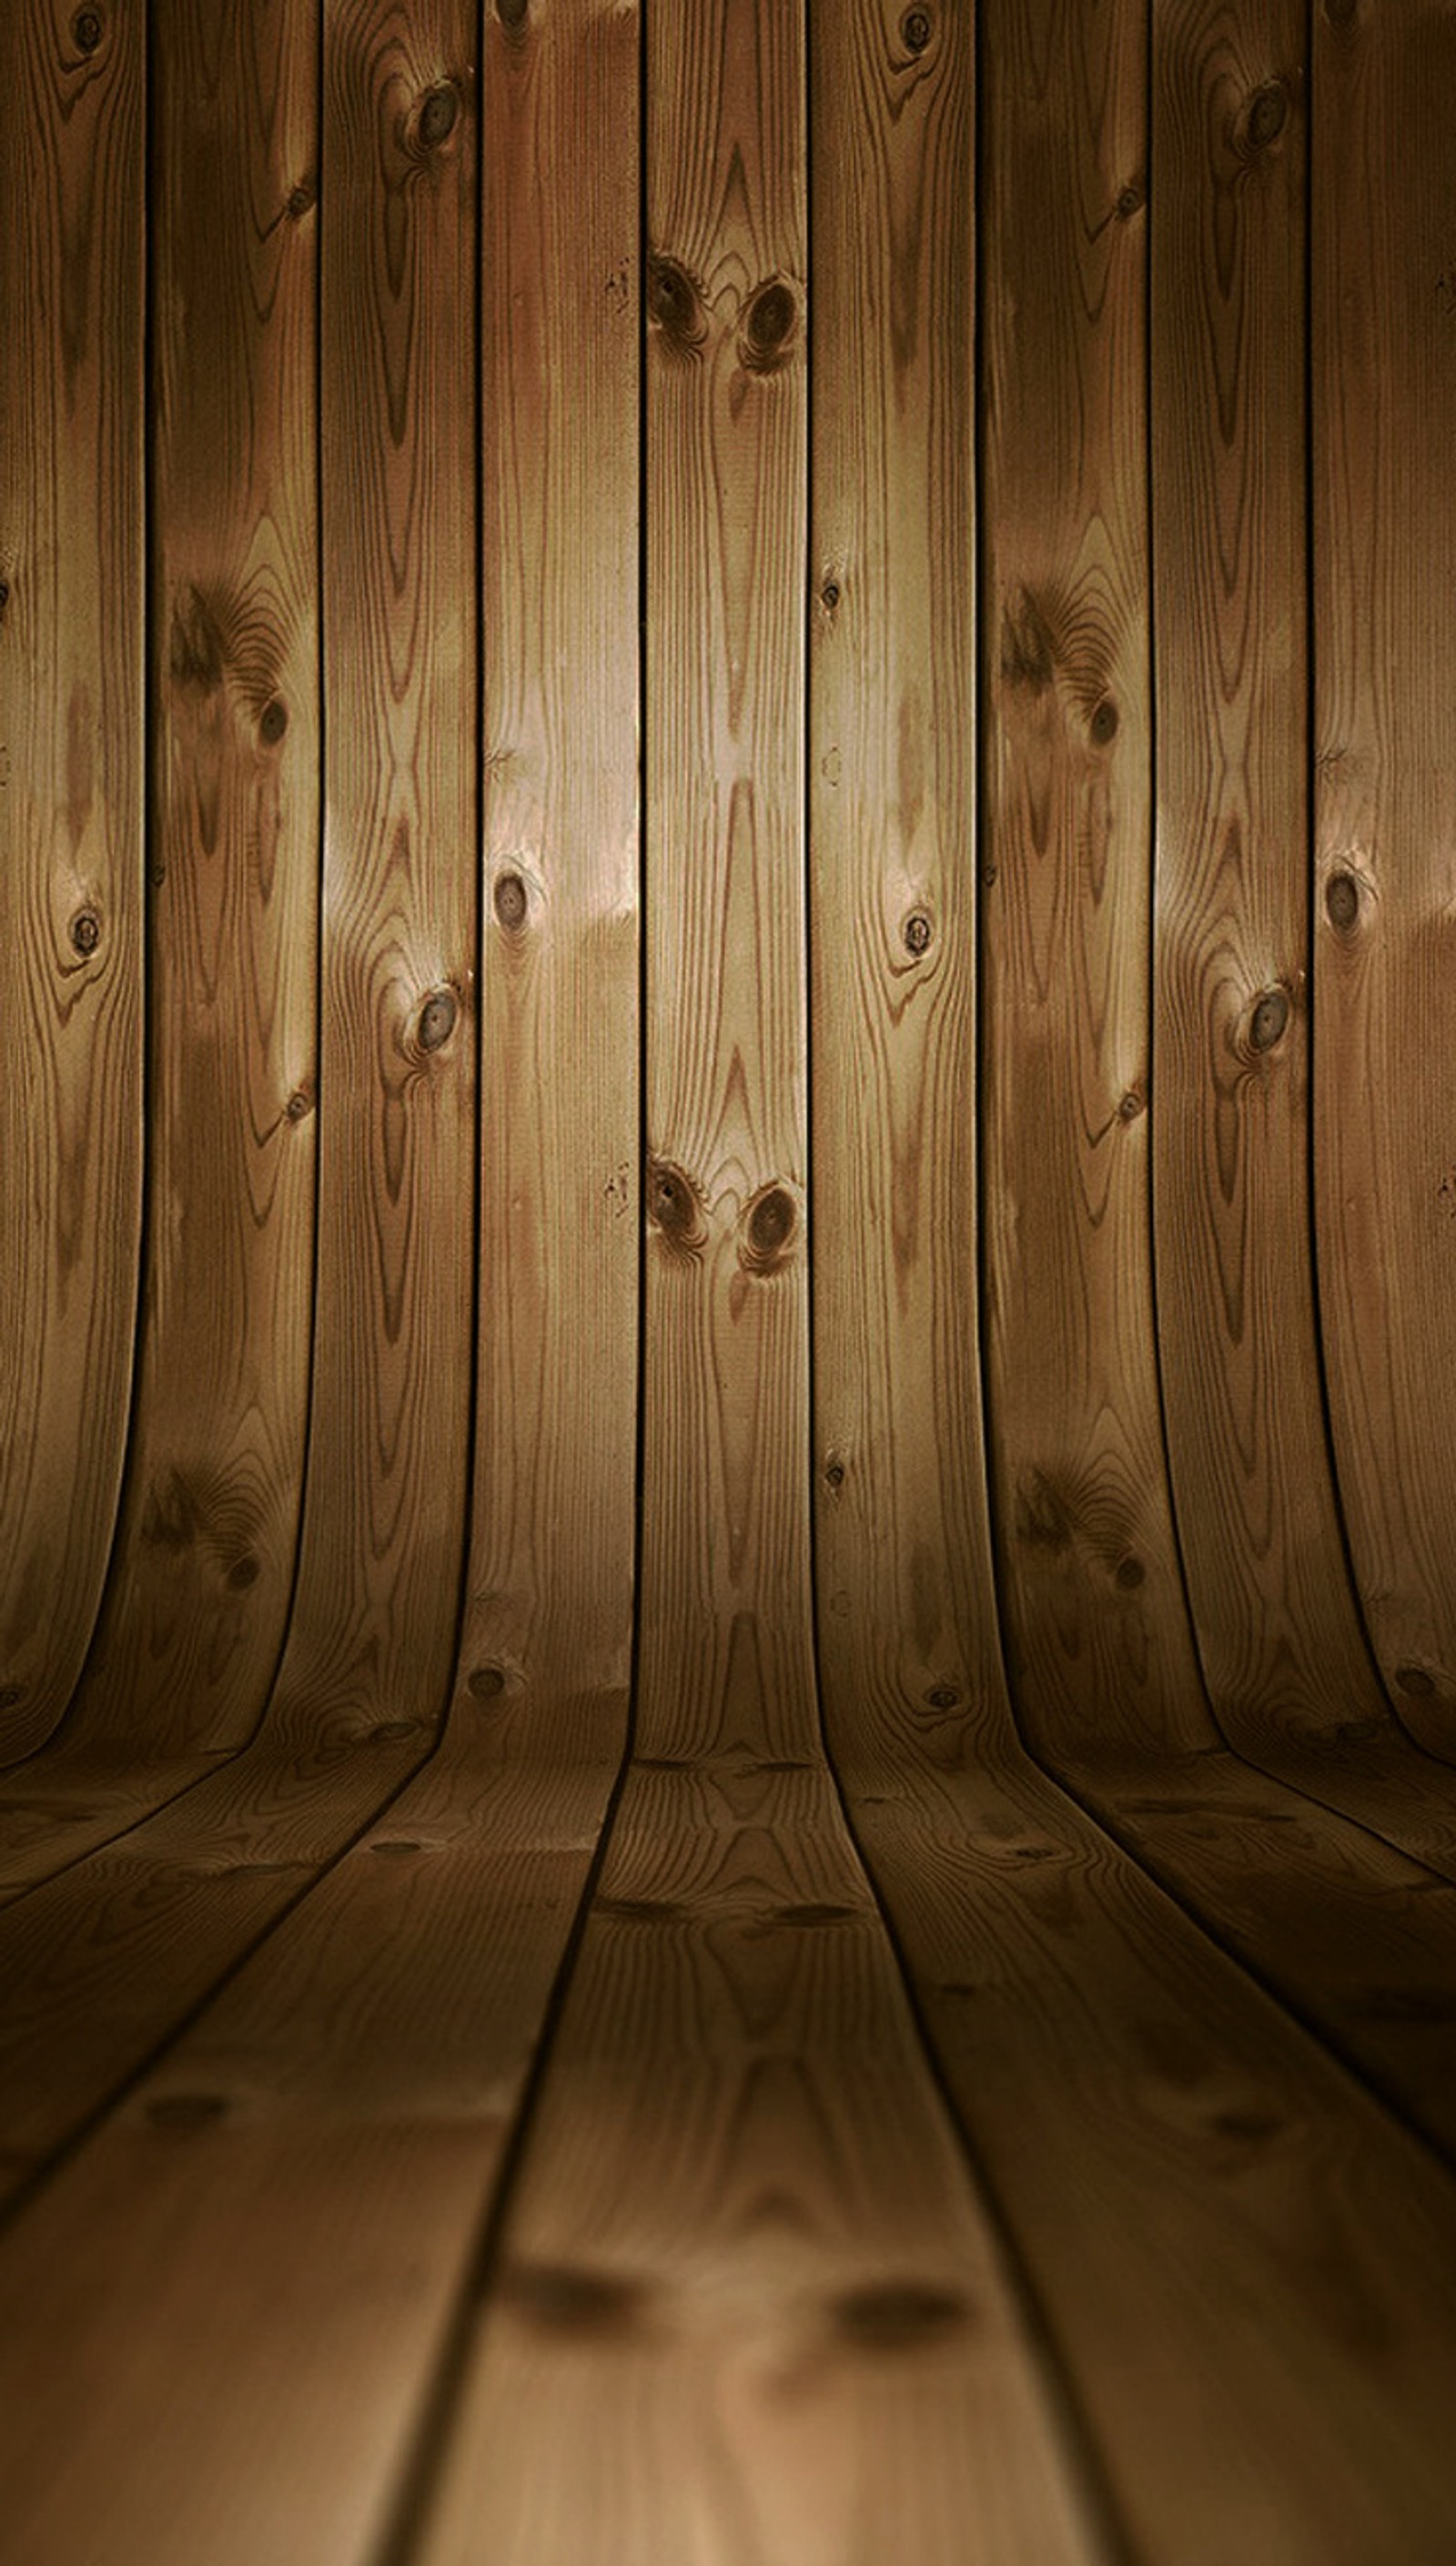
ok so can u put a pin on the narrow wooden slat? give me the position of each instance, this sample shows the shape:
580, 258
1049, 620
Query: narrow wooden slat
735, 2314
189, 1637
1384, 351
71, 585
1210, 2215
101, 1964
1280, 1637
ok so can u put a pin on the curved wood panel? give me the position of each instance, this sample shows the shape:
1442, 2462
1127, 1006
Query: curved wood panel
1384, 381
72, 663
1280, 1637
189, 1637
100, 1966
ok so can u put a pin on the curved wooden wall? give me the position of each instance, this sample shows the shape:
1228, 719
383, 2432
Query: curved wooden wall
725, 1387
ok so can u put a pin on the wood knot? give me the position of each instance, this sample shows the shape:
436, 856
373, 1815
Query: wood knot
273, 721
833, 1474
511, 902
386, 1732
300, 1105
4, 596
87, 29
809, 1913
917, 932
1342, 12
1265, 116
1130, 1574
438, 112
1131, 199
395, 1847
768, 327
85, 933
570, 2298
916, 30
186, 2111
244, 1573
1269, 1019
485, 1683
1343, 903
1416, 1682
303, 199
9, 1694
674, 1210
1131, 1104
943, 1696
1247, 2124
769, 1224
438, 1020
1104, 723
898, 2316
675, 305
513, 15
829, 594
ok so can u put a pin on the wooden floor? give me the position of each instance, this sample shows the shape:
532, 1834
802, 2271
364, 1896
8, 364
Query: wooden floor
727, 1553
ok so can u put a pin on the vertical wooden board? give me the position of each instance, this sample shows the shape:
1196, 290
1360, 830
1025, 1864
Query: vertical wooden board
550, 1593
1383, 216
1283, 1647
189, 1637
72, 683
725, 1538
908, 1642
1090, 1578
376, 1615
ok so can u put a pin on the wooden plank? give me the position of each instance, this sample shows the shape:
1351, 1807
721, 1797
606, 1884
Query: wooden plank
733, 2315
550, 1593
1208, 2213
1282, 1646
72, 584
1385, 349
189, 1637
101, 1964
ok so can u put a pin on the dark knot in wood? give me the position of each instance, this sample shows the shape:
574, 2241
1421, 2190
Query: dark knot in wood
1343, 903
917, 932
768, 1229
186, 2111
1268, 1020
273, 721
437, 116
438, 1019
88, 29
1268, 110
486, 1683
674, 1210
898, 2316
85, 933
512, 901
512, 14
675, 305
1416, 1682
1104, 723
916, 30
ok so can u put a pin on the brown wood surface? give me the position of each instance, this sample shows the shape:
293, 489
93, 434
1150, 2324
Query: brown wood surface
1282, 1645
1383, 328
103, 1963
72, 682
198, 1597
1166, 2154
748, 2306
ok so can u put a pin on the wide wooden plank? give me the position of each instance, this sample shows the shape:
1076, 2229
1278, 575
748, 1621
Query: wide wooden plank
189, 1637
101, 1964
732, 2316
1384, 380
72, 677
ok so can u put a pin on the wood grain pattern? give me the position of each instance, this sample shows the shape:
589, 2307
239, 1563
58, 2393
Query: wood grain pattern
745, 2276
551, 1586
1280, 1639
72, 663
1384, 375
1144, 2117
101, 1964
1090, 1571
193, 1620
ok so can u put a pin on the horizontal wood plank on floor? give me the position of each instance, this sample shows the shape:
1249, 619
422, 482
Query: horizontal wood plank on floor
748, 2311
72, 659
254, 2262
67, 1801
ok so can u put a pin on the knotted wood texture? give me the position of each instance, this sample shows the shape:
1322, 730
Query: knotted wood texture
725, 1665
